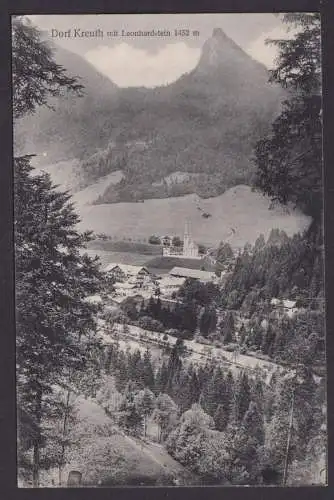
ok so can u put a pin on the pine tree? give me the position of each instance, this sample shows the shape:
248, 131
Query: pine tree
135, 368
165, 414
289, 161
242, 335
220, 418
227, 329
36, 75
253, 423
144, 402
130, 417
181, 388
268, 341
229, 394
147, 371
55, 324
195, 388
242, 397
260, 243
161, 378
208, 321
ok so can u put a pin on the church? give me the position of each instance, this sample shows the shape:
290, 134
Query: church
189, 250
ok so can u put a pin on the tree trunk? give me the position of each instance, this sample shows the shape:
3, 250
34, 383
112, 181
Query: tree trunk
37, 440
35, 469
63, 447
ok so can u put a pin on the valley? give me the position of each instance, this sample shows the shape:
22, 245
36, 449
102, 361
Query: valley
240, 208
170, 317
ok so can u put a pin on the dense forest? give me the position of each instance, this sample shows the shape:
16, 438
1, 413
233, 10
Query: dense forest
229, 429
246, 311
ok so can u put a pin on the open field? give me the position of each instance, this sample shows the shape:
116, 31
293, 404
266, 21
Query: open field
240, 209
108, 257
126, 246
161, 264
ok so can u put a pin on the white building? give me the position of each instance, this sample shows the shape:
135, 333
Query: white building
285, 306
188, 251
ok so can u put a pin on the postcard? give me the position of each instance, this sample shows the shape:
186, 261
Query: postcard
169, 255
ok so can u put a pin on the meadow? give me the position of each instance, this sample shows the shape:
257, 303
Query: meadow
237, 216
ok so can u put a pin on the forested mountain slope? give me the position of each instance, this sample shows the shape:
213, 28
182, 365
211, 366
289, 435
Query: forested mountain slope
206, 122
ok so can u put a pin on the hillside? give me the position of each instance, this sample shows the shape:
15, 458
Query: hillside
205, 123
240, 208
65, 131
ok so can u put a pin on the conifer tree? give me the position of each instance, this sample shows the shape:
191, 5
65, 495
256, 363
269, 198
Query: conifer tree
55, 324
144, 402
242, 335
242, 395
227, 328
220, 418
130, 418
161, 378
147, 371
253, 423
289, 161
208, 321
165, 413
35, 74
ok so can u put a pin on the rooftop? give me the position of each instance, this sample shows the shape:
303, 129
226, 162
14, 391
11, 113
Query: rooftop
94, 299
171, 280
288, 304
192, 273
126, 268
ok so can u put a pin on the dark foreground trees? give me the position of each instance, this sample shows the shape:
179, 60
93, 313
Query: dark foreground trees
289, 161
55, 324
35, 74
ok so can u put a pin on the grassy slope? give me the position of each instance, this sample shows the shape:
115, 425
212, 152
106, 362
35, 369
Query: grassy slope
239, 208
125, 246
118, 459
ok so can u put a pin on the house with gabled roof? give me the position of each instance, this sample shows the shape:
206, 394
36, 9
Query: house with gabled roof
139, 276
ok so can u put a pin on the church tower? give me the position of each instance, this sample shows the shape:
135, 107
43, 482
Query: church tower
190, 249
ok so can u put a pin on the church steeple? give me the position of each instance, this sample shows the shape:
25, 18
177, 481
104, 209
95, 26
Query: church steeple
187, 236
190, 250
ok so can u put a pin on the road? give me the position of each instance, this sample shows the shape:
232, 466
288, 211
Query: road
197, 352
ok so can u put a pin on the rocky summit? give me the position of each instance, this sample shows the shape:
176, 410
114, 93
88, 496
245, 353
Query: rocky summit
205, 124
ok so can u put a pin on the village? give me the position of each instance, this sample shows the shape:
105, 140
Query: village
134, 280
137, 285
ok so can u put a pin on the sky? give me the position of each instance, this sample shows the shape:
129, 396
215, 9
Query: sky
150, 61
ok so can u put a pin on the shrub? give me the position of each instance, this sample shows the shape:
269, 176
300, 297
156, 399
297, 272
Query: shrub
154, 240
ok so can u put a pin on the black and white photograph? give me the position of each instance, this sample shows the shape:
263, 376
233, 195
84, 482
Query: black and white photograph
169, 250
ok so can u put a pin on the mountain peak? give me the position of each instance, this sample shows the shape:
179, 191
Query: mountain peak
221, 53
218, 33
217, 50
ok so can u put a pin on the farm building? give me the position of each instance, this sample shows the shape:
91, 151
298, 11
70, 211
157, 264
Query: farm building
183, 272
169, 284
